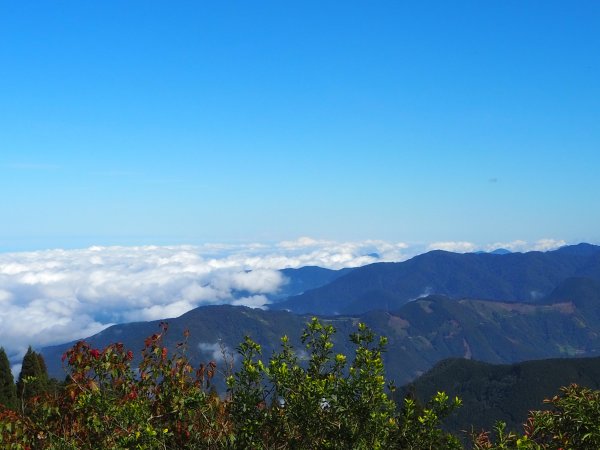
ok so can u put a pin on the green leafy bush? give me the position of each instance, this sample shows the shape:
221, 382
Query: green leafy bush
310, 399
573, 422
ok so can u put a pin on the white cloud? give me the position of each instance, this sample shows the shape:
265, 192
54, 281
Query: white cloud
156, 312
254, 301
300, 243
453, 246
543, 245
5, 296
425, 293
218, 352
513, 246
260, 280
53, 296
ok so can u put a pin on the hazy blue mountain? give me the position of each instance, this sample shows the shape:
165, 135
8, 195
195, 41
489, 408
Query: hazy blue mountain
498, 251
306, 278
582, 249
583, 291
420, 333
500, 392
515, 277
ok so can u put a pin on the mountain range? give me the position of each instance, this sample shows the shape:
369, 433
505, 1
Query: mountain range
300, 280
509, 277
421, 333
450, 320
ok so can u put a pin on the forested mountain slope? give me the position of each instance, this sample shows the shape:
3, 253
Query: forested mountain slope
420, 333
514, 277
492, 392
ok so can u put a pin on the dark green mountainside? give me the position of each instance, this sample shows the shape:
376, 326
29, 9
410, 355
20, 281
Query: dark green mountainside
513, 277
500, 392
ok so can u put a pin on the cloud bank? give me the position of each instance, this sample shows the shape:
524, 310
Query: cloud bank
53, 296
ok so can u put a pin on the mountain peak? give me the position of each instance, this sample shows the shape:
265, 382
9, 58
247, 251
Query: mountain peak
582, 249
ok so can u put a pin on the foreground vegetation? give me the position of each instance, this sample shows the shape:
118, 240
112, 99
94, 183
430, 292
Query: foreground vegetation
499, 392
323, 400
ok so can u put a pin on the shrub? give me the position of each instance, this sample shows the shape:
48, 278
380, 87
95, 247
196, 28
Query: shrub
323, 401
573, 422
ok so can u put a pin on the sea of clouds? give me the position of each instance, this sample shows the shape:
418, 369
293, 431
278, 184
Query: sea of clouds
54, 296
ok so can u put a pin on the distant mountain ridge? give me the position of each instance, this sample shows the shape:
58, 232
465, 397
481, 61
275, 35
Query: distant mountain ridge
302, 279
420, 333
514, 277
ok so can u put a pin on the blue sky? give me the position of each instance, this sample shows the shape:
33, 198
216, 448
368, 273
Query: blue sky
147, 122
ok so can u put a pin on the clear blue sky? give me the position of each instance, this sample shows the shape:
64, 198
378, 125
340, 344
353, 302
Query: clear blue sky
127, 122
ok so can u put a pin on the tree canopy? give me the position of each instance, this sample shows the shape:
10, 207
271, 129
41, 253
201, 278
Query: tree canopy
8, 390
33, 378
